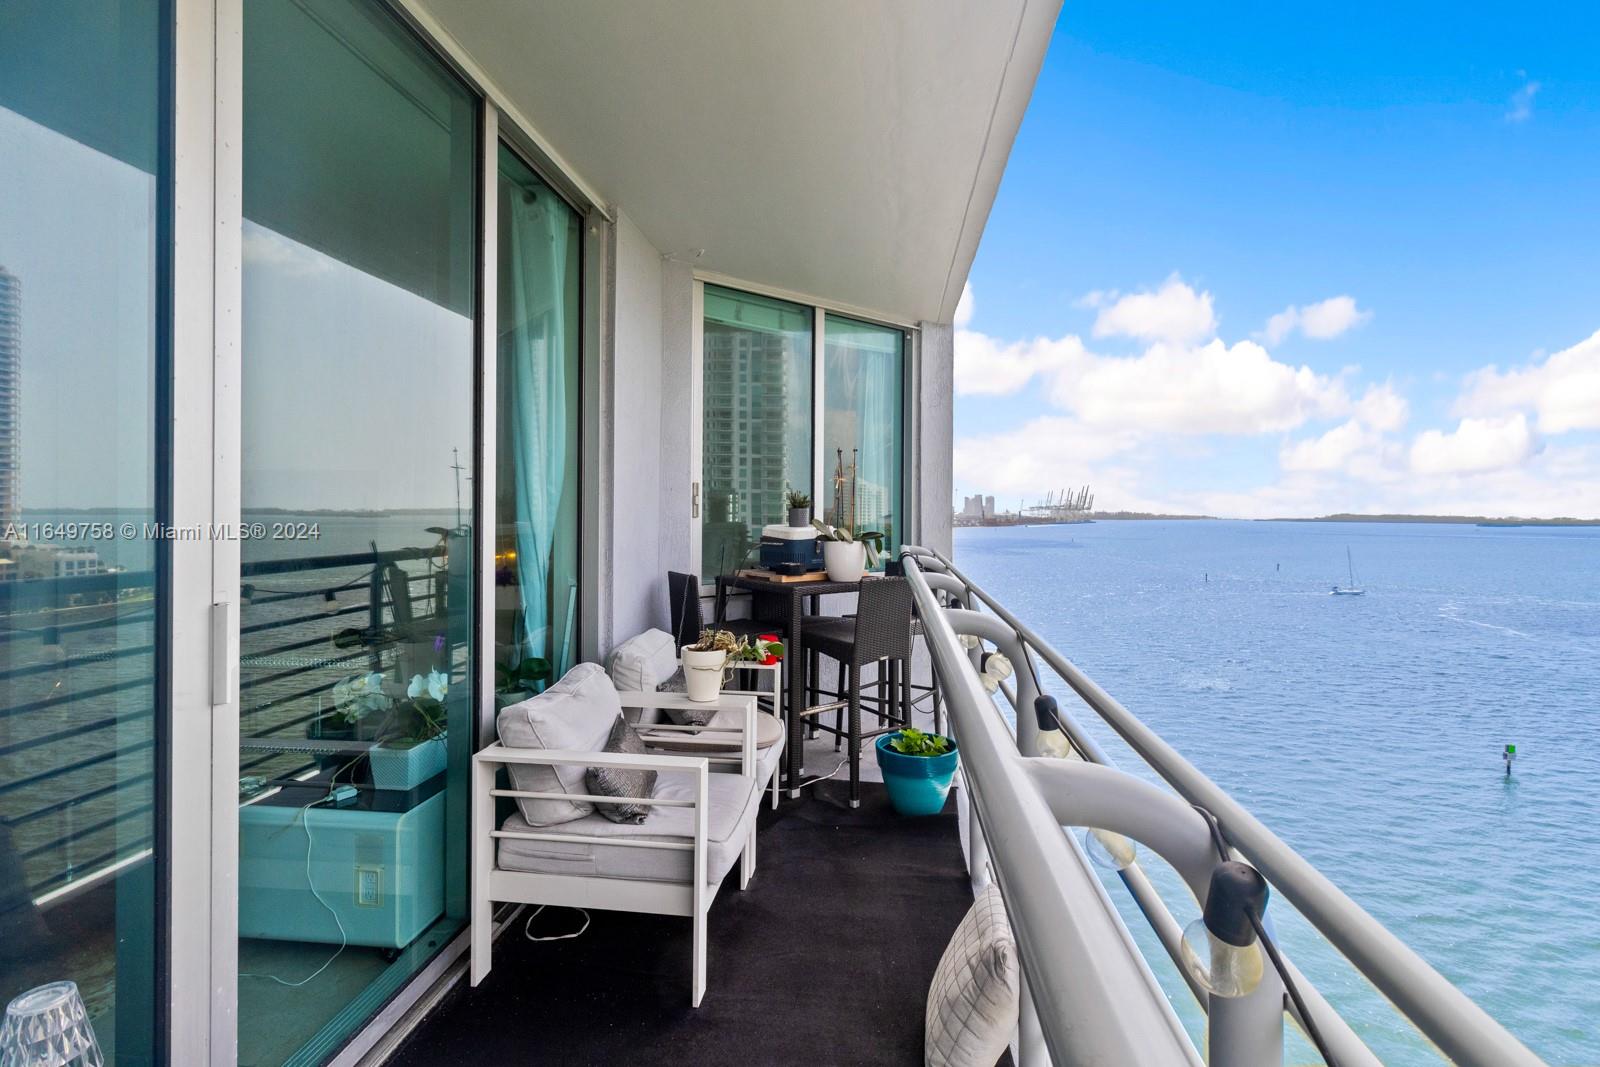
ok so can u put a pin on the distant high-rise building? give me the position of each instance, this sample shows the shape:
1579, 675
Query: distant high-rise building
988, 505
10, 397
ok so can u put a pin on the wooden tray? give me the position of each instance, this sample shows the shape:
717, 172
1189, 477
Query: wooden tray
785, 579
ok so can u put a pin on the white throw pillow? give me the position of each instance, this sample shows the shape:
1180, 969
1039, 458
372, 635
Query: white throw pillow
972, 1005
576, 715
640, 664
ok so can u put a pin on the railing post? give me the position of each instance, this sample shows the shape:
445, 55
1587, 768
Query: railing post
1031, 1050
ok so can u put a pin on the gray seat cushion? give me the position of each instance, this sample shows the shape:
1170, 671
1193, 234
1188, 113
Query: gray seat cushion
733, 801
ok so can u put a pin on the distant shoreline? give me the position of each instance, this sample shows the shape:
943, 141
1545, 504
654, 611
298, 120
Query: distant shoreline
1449, 520
1445, 520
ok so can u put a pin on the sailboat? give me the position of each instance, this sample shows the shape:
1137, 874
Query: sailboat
1352, 589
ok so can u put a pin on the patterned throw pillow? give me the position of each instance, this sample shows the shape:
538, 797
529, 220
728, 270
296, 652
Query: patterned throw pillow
621, 781
972, 1006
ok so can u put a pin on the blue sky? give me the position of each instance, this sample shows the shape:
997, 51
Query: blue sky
1290, 259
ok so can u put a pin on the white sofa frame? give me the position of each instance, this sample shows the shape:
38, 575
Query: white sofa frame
492, 885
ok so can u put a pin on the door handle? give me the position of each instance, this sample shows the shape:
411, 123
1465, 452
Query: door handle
224, 653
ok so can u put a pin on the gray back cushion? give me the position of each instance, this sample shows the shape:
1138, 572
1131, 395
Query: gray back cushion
574, 715
642, 664
622, 781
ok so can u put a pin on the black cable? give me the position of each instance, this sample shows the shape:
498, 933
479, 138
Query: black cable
1278, 965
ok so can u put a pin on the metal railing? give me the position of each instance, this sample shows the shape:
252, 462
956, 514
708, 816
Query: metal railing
1065, 925
77, 720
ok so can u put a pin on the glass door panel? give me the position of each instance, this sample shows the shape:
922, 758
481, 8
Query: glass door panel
756, 421
537, 375
79, 729
360, 156
863, 430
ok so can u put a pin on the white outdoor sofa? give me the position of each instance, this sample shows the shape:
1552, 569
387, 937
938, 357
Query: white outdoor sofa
555, 849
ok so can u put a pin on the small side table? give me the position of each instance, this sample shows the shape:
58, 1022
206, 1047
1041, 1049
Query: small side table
775, 695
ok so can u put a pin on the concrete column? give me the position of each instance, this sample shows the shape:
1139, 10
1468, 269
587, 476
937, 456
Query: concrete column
935, 433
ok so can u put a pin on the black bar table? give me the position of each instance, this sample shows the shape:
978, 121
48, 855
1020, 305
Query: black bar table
796, 594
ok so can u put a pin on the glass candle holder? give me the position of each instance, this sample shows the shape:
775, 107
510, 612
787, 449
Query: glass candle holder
49, 1027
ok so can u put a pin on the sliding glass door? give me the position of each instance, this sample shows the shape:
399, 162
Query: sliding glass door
361, 156
81, 717
756, 424
863, 428
537, 416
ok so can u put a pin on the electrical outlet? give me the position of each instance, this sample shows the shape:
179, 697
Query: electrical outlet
369, 887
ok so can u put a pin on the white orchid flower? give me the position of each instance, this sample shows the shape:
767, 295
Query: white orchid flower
438, 685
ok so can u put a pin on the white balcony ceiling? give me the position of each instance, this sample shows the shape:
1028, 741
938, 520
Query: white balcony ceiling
845, 149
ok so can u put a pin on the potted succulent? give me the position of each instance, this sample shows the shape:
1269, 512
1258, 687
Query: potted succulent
412, 747
847, 555
917, 768
799, 508
704, 663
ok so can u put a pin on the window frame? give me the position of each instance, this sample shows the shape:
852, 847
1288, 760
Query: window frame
911, 350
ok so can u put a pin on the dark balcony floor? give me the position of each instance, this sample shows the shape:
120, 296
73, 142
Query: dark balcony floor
825, 959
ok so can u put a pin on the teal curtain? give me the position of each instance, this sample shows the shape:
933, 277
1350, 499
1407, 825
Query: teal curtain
538, 360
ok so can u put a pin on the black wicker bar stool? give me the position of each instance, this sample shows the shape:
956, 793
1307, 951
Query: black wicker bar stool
880, 633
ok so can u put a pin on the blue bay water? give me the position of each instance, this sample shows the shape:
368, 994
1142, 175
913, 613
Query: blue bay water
1365, 731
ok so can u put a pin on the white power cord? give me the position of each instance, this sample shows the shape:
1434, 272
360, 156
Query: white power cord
343, 937
527, 927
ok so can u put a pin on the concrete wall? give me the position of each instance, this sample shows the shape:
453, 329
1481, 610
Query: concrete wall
633, 596
677, 429
935, 453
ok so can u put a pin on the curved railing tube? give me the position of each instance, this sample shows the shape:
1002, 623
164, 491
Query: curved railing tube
1461, 1030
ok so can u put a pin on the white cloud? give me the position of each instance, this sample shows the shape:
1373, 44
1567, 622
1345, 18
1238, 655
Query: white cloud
1216, 388
267, 248
1475, 445
1330, 452
1321, 321
1382, 408
1138, 427
964, 306
1521, 105
1563, 391
987, 367
1174, 313
1044, 451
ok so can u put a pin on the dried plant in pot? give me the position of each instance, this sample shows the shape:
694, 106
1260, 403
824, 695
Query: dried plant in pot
705, 663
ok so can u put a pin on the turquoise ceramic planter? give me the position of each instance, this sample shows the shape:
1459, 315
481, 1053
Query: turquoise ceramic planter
917, 784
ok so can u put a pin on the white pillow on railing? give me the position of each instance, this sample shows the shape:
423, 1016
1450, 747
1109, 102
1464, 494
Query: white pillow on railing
972, 1004
576, 715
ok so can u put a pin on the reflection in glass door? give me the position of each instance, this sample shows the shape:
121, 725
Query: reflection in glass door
79, 729
536, 482
863, 436
360, 156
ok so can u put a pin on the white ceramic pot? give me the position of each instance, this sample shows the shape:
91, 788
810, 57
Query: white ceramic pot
846, 560
702, 673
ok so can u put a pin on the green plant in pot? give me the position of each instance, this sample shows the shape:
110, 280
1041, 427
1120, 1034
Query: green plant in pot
848, 554
514, 684
917, 769
799, 507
